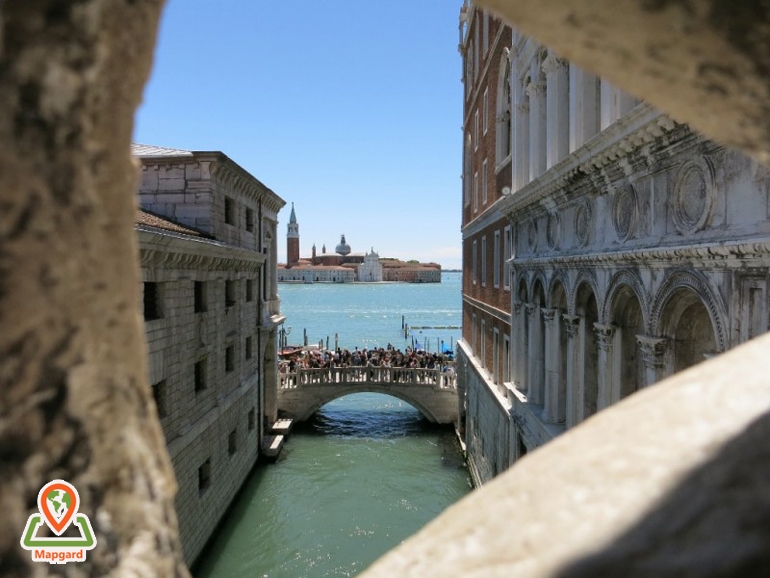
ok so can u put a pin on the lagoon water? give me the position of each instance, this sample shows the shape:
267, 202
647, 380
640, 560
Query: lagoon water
366, 471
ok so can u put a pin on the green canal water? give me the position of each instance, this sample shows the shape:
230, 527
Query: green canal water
364, 473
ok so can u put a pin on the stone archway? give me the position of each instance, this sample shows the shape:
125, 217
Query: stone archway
536, 338
588, 312
628, 318
686, 322
556, 383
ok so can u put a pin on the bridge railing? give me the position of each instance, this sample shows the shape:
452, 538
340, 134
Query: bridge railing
368, 375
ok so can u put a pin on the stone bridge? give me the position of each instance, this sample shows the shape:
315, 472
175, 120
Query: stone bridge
431, 391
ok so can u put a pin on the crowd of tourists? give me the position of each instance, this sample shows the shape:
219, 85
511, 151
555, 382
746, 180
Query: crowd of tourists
375, 357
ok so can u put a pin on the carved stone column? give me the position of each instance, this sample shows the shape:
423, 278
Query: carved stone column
535, 356
653, 354
572, 327
605, 335
557, 107
550, 402
520, 149
518, 365
583, 107
537, 129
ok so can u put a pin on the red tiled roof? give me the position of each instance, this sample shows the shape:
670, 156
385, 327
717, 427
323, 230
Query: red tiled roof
156, 222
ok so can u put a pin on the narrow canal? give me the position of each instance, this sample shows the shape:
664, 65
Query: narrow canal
360, 477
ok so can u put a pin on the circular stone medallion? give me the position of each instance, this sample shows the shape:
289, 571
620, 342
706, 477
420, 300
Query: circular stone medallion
624, 212
693, 196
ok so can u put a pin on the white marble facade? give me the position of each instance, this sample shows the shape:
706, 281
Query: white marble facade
639, 249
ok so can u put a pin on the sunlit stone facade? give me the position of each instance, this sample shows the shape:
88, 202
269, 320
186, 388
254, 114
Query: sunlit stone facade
637, 249
211, 310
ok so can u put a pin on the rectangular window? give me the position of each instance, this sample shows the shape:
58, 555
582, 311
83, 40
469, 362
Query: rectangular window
506, 358
199, 289
229, 293
229, 211
475, 192
250, 220
485, 120
200, 375
248, 348
496, 257
508, 253
159, 395
474, 258
204, 476
249, 290
229, 358
483, 340
484, 182
485, 32
496, 355
250, 419
474, 344
476, 52
484, 261
476, 130
153, 295
232, 442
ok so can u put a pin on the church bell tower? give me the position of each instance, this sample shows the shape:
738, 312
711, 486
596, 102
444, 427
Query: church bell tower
292, 239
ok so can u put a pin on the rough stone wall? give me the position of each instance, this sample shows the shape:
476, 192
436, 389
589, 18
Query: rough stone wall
74, 400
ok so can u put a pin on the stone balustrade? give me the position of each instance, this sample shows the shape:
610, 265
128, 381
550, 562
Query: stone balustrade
369, 375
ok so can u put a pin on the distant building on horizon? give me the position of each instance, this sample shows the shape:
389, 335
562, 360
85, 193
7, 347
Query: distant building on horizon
346, 266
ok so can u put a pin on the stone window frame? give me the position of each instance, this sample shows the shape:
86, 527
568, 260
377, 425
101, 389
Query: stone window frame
249, 290
230, 358
467, 171
484, 183
476, 126
152, 300
249, 216
496, 264
204, 477
200, 377
483, 340
249, 347
229, 211
160, 395
507, 255
475, 264
476, 192
200, 297
485, 112
230, 293
484, 261
232, 442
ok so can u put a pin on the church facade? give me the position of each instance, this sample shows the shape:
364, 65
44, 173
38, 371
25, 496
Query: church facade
638, 248
346, 266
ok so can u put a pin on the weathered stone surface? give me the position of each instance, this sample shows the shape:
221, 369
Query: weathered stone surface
705, 62
672, 481
74, 402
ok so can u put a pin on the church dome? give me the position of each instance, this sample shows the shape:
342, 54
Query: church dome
343, 248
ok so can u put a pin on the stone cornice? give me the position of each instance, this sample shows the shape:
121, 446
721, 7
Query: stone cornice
637, 128
231, 175
499, 314
184, 252
720, 251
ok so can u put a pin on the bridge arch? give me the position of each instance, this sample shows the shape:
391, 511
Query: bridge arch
342, 391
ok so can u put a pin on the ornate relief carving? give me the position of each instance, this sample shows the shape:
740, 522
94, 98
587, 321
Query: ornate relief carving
624, 212
532, 235
693, 197
553, 231
548, 315
571, 324
653, 349
604, 335
582, 224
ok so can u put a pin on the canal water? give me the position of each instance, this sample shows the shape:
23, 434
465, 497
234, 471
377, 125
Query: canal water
367, 471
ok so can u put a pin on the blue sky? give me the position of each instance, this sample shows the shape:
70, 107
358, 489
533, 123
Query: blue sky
350, 109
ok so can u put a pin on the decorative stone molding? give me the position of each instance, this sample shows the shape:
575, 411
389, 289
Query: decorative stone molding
685, 279
553, 64
536, 89
693, 197
583, 223
604, 335
624, 212
571, 324
548, 314
553, 231
630, 279
532, 235
653, 350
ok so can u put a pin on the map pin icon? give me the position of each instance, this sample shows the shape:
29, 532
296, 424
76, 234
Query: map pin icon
58, 501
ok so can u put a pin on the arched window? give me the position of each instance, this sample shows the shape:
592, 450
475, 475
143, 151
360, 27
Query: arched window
504, 111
